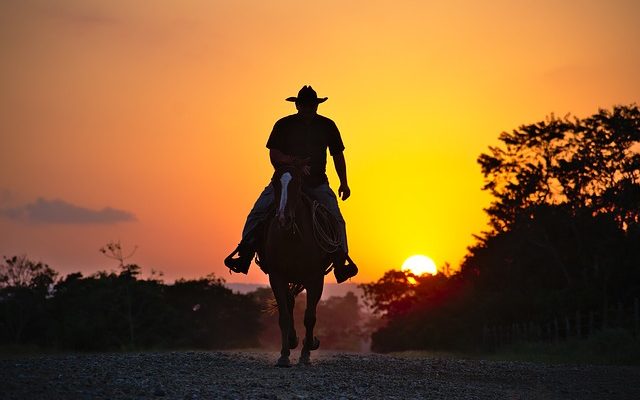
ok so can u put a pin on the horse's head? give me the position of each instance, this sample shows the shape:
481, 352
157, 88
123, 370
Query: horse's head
287, 182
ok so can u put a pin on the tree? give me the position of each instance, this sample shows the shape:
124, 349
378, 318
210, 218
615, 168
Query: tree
565, 213
210, 315
590, 165
422, 312
391, 295
341, 322
19, 271
25, 286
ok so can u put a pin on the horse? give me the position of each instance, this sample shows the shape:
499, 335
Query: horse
294, 260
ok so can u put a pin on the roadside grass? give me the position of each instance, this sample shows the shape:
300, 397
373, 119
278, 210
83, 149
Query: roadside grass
609, 347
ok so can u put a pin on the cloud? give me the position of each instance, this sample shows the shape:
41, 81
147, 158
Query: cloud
60, 212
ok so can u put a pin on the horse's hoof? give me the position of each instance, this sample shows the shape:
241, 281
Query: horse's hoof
293, 342
305, 359
283, 362
314, 346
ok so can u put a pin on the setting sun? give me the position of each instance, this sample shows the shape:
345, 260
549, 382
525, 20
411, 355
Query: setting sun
419, 265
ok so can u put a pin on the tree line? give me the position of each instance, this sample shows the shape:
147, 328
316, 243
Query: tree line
120, 311
564, 238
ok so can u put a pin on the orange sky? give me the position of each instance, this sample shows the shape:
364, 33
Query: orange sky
162, 114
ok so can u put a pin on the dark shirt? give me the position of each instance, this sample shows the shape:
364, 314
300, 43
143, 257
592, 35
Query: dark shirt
294, 136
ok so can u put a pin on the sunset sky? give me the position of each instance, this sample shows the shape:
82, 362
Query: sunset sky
146, 122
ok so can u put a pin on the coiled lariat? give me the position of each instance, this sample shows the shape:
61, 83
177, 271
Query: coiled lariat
326, 229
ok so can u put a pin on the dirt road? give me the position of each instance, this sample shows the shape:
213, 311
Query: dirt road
251, 375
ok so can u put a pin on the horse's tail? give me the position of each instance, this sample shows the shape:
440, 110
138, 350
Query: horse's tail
272, 305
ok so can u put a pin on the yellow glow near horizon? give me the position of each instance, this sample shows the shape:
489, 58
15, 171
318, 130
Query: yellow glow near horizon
420, 265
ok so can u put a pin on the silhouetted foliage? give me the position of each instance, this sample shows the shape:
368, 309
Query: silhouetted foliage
212, 315
391, 295
590, 166
24, 289
421, 312
565, 234
566, 215
345, 325
120, 311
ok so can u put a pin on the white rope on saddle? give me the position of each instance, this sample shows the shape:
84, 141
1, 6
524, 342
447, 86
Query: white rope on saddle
326, 228
284, 184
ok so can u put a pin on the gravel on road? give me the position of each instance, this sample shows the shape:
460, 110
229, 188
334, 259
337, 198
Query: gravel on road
252, 375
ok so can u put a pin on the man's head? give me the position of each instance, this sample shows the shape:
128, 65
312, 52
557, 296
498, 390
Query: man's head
307, 100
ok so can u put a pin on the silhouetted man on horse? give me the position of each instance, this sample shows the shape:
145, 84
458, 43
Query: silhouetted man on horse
301, 140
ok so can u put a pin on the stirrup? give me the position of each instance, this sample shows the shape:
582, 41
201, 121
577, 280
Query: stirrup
240, 264
345, 271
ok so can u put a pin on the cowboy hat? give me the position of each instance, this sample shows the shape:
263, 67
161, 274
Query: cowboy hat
307, 95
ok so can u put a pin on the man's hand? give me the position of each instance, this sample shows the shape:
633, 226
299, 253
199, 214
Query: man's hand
341, 169
343, 191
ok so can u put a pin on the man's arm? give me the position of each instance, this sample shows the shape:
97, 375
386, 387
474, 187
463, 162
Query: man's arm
341, 169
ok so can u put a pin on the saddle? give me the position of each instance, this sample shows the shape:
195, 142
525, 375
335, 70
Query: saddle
326, 232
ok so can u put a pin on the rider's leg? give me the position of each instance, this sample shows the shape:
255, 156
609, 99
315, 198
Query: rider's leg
325, 196
247, 247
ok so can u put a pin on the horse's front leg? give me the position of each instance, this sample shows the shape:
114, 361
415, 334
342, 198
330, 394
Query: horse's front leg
293, 336
280, 292
314, 292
